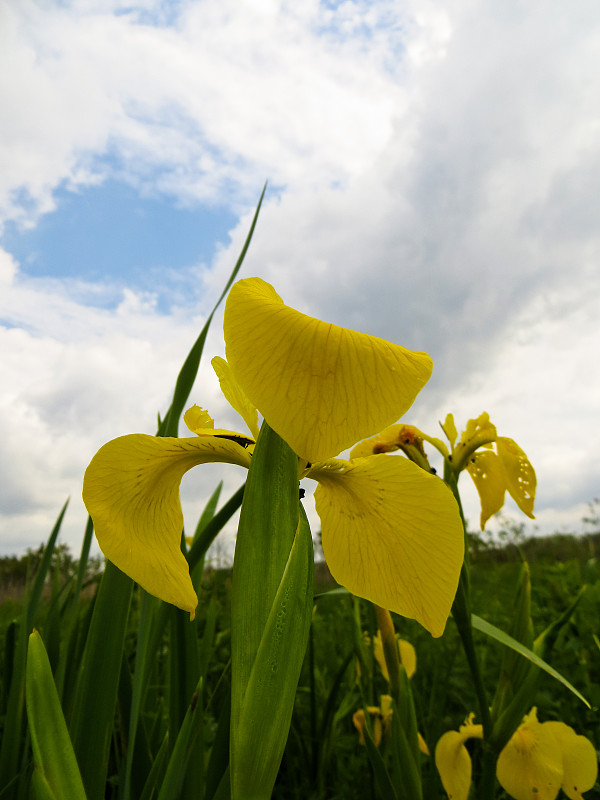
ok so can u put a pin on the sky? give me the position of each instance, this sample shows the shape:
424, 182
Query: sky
433, 173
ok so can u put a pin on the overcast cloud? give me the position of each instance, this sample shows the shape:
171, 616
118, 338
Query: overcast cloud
433, 175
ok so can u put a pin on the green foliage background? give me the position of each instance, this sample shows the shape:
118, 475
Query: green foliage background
323, 757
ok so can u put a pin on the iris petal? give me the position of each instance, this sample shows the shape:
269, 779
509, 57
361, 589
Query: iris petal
453, 762
131, 491
520, 475
580, 763
320, 387
490, 481
234, 394
449, 428
391, 533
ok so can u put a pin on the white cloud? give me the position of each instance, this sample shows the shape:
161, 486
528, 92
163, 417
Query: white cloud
8, 268
434, 175
228, 94
72, 378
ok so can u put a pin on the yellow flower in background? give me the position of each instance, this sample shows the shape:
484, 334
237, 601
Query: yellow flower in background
453, 761
494, 471
391, 532
406, 653
382, 720
382, 723
539, 760
543, 757
495, 463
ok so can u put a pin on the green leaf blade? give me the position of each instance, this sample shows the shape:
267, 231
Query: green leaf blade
52, 749
495, 633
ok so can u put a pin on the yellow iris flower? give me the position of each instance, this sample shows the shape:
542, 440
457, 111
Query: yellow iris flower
495, 463
382, 720
539, 760
391, 532
382, 723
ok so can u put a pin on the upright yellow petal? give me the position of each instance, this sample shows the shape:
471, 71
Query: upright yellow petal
478, 430
580, 762
489, 478
199, 421
391, 533
530, 766
320, 387
234, 394
453, 762
449, 428
131, 491
359, 721
520, 475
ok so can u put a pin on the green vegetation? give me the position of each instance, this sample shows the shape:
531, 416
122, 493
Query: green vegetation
323, 757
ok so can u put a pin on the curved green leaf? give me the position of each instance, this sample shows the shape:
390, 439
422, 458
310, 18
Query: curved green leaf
495, 633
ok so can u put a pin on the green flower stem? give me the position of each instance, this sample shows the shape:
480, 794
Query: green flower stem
487, 782
461, 612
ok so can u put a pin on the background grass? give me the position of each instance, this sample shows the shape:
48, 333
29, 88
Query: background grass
323, 757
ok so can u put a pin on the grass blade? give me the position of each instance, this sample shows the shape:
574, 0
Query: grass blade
52, 749
495, 633
189, 370
97, 686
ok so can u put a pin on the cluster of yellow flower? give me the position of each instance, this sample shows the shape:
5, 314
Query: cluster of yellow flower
539, 760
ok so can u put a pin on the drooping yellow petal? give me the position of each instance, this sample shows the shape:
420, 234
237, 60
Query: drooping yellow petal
423, 745
408, 657
131, 491
520, 475
453, 762
530, 766
406, 654
320, 387
580, 763
391, 533
234, 394
379, 656
490, 481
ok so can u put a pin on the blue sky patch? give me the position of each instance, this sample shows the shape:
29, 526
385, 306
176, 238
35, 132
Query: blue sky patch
111, 233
